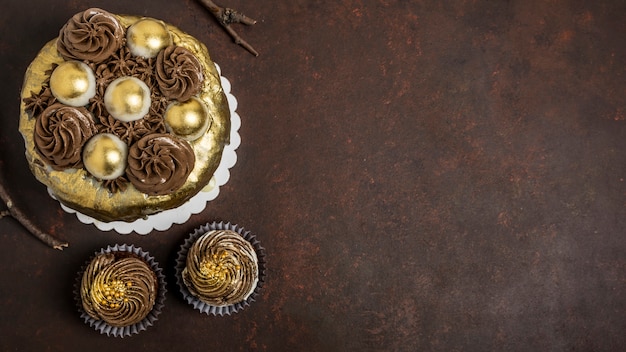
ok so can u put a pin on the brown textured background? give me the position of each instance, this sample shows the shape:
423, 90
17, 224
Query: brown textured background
425, 175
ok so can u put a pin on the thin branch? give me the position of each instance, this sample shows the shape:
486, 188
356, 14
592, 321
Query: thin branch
18, 215
226, 17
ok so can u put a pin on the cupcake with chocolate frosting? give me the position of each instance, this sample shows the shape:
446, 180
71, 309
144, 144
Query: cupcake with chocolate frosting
220, 268
120, 291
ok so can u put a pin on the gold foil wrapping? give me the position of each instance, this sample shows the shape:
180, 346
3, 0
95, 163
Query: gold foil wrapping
80, 191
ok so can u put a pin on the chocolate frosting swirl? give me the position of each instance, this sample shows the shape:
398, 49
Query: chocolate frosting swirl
92, 35
104, 76
159, 163
121, 290
116, 185
37, 103
60, 133
221, 269
178, 73
130, 132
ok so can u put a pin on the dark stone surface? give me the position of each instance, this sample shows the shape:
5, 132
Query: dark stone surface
425, 175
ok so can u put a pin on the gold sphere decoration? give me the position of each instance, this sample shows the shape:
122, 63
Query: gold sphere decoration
147, 37
127, 99
188, 120
73, 83
105, 155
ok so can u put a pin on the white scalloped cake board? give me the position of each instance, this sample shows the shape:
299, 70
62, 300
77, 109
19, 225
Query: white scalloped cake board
165, 219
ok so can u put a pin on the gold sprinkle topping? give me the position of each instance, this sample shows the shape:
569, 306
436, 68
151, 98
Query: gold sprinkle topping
114, 293
217, 267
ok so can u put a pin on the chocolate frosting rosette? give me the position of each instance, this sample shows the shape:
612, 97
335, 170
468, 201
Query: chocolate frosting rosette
220, 268
159, 163
91, 35
60, 133
120, 291
178, 73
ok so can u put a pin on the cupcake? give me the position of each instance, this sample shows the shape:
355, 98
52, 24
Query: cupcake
120, 291
220, 268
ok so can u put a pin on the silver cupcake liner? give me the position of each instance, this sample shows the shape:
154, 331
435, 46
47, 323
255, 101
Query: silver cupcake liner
182, 260
115, 331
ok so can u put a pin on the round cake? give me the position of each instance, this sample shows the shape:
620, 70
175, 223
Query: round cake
121, 290
220, 268
123, 116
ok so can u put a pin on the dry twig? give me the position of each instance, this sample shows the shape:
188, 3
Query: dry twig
226, 17
18, 215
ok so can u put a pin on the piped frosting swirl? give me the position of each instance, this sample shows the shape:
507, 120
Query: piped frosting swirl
118, 289
159, 163
60, 133
221, 268
178, 73
92, 35
37, 103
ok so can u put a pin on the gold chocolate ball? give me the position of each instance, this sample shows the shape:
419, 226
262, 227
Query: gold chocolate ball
73, 83
147, 37
105, 155
127, 99
188, 120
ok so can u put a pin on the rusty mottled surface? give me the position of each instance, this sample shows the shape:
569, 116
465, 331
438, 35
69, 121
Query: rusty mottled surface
425, 176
